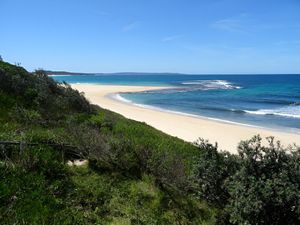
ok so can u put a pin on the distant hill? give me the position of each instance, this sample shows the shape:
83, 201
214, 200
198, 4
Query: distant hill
50, 72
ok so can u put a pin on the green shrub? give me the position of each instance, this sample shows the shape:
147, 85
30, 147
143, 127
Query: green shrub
211, 170
32, 187
265, 188
136, 174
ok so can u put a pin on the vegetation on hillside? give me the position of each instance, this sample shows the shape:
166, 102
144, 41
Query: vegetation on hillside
136, 174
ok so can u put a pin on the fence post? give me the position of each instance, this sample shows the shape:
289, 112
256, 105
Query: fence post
22, 147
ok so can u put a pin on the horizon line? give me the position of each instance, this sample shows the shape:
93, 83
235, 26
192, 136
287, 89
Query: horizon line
51, 72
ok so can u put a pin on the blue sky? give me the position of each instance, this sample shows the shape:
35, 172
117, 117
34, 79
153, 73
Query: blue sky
188, 36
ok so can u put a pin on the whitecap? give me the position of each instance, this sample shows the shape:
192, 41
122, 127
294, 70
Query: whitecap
120, 98
211, 84
289, 111
57, 75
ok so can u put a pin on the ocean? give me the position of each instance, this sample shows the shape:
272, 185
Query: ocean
271, 101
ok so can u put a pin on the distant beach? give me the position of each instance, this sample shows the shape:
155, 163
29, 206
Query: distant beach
186, 127
269, 101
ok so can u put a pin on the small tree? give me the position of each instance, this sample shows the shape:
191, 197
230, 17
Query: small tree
211, 170
266, 188
1, 59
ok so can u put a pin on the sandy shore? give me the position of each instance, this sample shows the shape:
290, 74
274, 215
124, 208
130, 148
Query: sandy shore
188, 128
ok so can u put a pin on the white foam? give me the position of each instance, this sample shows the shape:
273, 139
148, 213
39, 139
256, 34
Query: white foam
211, 84
59, 75
118, 97
289, 111
86, 83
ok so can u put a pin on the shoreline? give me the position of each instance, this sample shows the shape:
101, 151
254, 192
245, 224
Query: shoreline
117, 97
124, 100
188, 127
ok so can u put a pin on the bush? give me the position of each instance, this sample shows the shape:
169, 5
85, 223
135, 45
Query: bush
32, 187
266, 187
136, 174
211, 170
36, 91
26, 117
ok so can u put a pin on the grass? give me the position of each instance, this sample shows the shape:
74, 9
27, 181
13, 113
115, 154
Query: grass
136, 174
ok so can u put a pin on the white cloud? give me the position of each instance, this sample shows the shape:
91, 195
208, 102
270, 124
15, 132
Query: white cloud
245, 23
130, 26
242, 22
228, 25
171, 38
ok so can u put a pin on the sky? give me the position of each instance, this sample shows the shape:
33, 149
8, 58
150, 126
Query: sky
181, 36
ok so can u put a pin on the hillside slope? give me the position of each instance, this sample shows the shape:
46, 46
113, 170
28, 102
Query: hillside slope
136, 174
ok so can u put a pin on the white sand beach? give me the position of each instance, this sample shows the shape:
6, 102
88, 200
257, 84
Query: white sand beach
188, 128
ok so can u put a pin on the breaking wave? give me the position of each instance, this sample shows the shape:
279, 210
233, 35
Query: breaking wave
197, 85
292, 111
120, 98
212, 84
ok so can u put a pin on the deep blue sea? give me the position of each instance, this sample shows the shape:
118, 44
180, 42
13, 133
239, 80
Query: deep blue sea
271, 101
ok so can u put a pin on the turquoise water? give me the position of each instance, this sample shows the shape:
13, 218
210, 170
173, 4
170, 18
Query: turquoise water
262, 100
